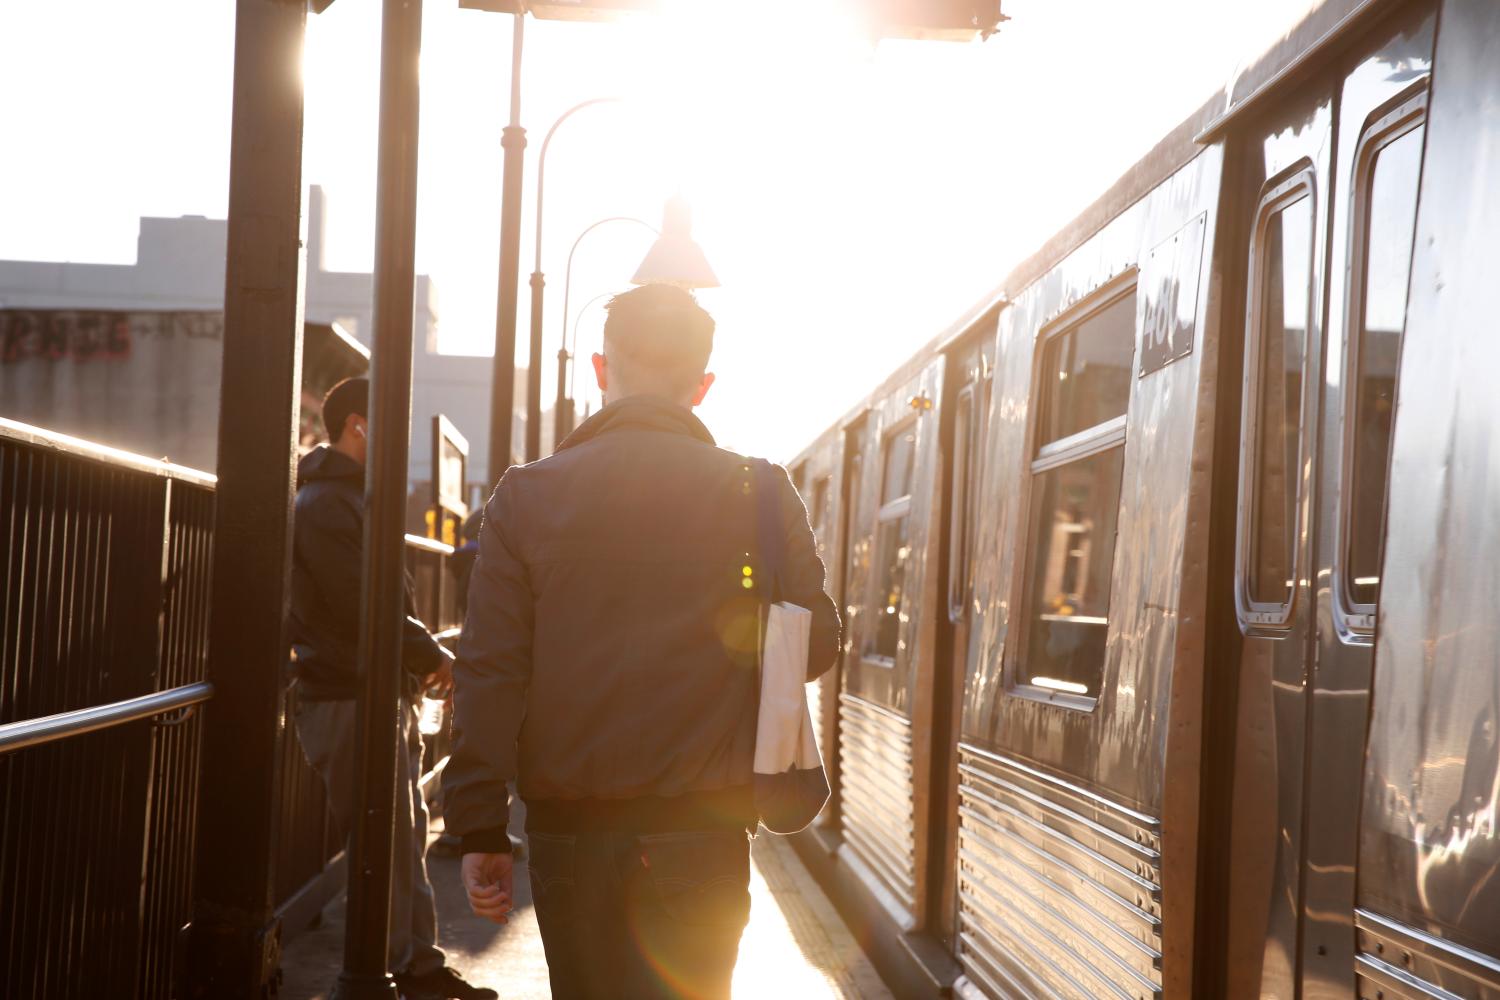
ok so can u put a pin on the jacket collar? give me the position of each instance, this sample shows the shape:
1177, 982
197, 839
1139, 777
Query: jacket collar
324, 463
649, 413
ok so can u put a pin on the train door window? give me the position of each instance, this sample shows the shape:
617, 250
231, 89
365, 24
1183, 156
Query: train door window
1276, 358
1083, 388
892, 543
959, 533
1388, 166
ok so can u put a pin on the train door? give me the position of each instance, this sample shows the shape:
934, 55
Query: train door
819, 477
1381, 126
967, 402
1332, 185
888, 645
853, 572
1288, 186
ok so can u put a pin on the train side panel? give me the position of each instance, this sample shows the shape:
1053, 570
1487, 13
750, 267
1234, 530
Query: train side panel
1071, 721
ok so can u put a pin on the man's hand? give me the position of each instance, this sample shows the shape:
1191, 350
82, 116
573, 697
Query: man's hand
440, 681
487, 880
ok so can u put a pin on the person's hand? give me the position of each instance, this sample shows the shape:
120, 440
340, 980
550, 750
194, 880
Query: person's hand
440, 681
487, 880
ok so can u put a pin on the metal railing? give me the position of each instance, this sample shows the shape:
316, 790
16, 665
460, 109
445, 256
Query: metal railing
104, 570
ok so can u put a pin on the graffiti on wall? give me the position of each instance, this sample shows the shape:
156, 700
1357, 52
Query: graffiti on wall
88, 335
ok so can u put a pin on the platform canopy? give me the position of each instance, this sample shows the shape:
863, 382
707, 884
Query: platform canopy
957, 20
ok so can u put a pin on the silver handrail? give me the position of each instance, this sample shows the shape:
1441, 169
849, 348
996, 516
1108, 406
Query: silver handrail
51, 728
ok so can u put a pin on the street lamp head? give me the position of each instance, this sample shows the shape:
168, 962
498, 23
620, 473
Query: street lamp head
675, 259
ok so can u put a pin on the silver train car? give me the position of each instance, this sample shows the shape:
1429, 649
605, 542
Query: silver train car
1171, 571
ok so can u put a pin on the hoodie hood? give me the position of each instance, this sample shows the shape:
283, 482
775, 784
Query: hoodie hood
323, 463
641, 413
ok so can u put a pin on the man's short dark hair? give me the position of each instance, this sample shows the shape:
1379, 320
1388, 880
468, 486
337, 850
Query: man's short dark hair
352, 395
659, 338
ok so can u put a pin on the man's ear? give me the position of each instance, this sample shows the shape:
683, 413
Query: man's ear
601, 372
703, 387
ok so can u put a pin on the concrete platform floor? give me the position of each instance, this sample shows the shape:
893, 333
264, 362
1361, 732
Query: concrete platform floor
795, 948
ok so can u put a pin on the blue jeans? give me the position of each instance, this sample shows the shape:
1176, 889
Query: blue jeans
629, 916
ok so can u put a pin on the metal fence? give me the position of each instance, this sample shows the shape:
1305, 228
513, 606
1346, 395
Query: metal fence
104, 569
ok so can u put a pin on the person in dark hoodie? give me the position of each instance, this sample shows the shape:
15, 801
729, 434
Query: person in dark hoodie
328, 543
608, 662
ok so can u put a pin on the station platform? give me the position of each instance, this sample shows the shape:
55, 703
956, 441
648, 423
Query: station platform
795, 946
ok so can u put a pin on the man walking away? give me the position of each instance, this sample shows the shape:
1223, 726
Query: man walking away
328, 543
608, 663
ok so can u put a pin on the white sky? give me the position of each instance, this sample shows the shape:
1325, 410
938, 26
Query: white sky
853, 198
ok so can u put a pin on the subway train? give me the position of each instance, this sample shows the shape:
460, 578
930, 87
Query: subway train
1171, 570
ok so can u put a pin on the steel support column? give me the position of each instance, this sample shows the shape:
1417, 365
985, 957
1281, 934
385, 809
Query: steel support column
503, 387
234, 935
534, 373
382, 599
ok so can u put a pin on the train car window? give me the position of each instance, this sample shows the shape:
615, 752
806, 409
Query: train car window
1084, 387
892, 543
1086, 378
959, 539
820, 508
1283, 259
1386, 211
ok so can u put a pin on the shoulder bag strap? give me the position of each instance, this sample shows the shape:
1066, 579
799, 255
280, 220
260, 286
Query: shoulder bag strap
770, 532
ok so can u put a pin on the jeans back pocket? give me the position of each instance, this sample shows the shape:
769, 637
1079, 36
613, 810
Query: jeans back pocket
702, 879
550, 865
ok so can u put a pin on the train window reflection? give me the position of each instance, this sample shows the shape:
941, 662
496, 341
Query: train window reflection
820, 515
1084, 382
1390, 201
1086, 371
892, 543
1073, 524
1285, 275
899, 449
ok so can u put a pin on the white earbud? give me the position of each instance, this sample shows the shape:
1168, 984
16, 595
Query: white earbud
359, 430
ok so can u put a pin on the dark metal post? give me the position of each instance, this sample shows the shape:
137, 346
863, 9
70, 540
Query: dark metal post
503, 389
562, 407
534, 374
377, 728
235, 938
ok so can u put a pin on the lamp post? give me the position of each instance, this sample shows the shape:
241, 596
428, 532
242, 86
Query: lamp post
538, 283
562, 413
573, 353
503, 384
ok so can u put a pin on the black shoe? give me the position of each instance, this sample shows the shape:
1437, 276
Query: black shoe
443, 983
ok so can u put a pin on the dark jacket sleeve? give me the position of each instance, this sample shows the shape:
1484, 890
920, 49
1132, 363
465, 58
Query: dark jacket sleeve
491, 676
803, 582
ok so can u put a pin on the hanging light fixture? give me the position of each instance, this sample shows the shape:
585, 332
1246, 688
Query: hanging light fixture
675, 259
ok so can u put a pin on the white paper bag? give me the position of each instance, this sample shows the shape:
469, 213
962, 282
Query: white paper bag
784, 731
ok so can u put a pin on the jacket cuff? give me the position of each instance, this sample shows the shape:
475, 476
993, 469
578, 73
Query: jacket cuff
492, 841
